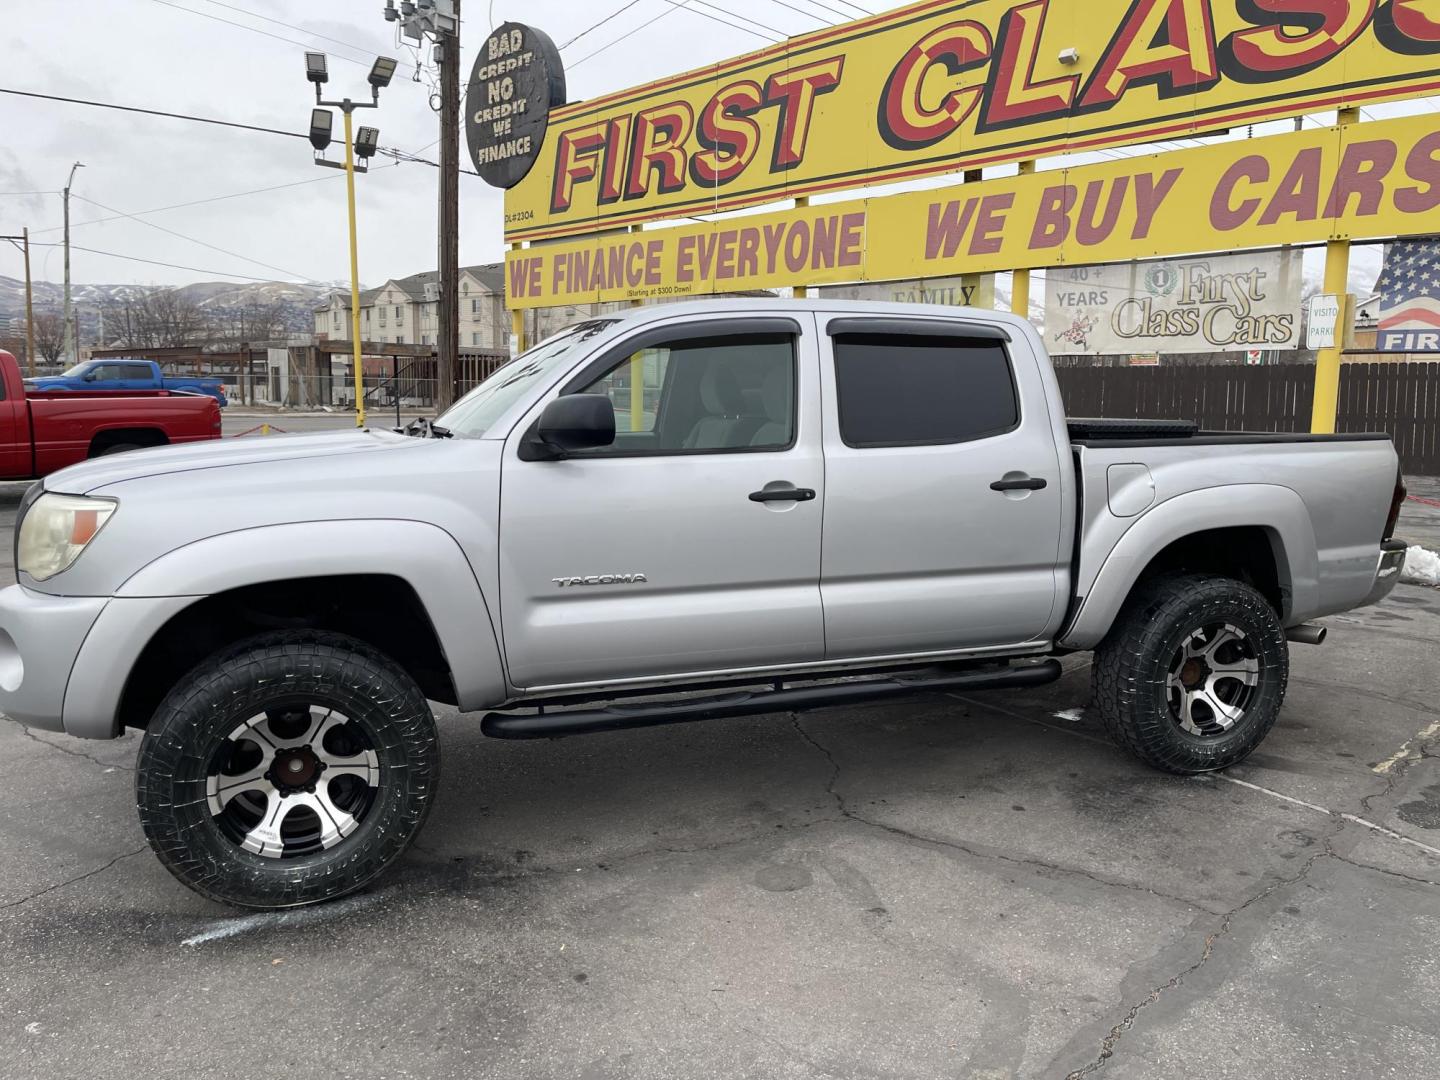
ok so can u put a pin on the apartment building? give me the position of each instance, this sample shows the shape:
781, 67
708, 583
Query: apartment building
405, 311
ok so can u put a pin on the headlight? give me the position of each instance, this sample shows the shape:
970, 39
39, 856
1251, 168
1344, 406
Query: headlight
56, 529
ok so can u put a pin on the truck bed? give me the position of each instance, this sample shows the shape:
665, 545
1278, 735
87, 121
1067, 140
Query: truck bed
1326, 494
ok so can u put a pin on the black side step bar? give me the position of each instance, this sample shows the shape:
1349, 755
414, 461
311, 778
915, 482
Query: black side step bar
549, 725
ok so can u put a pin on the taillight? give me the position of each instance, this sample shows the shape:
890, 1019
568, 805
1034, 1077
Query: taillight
1396, 502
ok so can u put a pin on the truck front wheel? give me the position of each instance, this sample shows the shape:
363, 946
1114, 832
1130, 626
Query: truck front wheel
1192, 675
291, 768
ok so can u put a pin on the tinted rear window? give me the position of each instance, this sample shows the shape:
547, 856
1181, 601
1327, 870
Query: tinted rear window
913, 391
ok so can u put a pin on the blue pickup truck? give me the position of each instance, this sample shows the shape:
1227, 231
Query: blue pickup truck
127, 376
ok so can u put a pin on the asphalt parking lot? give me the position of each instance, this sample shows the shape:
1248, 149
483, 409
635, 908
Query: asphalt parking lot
972, 887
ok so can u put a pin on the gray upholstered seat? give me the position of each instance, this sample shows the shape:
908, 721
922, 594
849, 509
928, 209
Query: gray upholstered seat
724, 404
777, 392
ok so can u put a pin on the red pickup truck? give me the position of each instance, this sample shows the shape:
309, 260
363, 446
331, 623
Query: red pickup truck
40, 433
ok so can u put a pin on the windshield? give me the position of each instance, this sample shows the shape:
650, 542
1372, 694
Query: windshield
472, 415
78, 370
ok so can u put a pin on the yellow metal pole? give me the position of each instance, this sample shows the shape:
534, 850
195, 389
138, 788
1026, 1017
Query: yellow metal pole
637, 372
517, 318
1020, 283
801, 201
1327, 361
354, 276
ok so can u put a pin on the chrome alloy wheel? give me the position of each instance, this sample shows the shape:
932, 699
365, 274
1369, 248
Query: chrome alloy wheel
1212, 679
291, 782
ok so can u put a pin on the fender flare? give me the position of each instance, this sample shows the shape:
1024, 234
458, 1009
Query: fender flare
425, 556
1278, 510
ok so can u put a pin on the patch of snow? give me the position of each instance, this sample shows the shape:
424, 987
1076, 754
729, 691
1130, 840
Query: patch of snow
1422, 567
1073, 715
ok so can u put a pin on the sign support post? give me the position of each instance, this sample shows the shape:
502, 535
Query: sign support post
801, 292
517, 320
1327, 361
1020, 283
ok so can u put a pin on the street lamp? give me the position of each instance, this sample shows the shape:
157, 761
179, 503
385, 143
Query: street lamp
363, 147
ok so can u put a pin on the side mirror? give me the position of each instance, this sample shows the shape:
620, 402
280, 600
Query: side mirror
89, 376
576, 422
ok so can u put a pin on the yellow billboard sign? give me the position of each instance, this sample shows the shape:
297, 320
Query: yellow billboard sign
1339, 183
942, 85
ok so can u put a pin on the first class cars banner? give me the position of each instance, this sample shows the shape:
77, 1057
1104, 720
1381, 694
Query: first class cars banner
1377, 179
943, 85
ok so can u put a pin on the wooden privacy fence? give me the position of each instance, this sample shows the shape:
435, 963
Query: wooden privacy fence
1400, 399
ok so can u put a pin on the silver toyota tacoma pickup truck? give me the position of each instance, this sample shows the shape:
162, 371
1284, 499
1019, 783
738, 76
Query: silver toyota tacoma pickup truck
693, 511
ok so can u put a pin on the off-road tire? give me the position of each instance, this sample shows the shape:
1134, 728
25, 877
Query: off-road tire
1129, 678
267, 672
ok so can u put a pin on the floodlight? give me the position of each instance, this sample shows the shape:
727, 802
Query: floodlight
390, 13
367, 140
382, 72
322, 122
315, 69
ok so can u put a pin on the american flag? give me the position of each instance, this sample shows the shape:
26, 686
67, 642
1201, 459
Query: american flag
1410, 297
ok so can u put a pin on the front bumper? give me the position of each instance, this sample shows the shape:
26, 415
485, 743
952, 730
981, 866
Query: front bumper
1387, 571
40, 637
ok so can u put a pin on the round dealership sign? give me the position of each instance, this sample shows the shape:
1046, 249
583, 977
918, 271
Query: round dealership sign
517, 79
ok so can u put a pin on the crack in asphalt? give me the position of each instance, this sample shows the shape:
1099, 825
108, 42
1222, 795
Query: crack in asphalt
931, 841
1377, 869
1112, 1039
27, 733
71, 881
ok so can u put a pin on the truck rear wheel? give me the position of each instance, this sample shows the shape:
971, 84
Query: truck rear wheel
1192, 675
291, 768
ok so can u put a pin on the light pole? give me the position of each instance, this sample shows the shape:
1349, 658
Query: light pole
67, 349
362, 145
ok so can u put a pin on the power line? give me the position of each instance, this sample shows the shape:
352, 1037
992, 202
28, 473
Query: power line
290, 26
847, 16
155, 112
802, 11
628, 33
728, 22
195, 202
193, 240
257, 30
156, 262
857, 7
618, 11
29, 193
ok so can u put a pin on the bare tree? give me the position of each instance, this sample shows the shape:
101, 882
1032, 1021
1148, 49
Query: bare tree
49, 336
14, 344
252, 321
157, 318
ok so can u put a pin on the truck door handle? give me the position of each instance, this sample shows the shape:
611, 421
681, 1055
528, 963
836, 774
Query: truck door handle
1028, 484
789, 494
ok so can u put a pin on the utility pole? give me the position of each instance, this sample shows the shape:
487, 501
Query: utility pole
24, 246
68, 348
448, 341
439, 21
29, 308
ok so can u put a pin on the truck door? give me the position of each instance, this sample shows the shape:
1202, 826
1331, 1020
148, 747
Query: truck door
128, 375
693, 543
14, 430
944, 507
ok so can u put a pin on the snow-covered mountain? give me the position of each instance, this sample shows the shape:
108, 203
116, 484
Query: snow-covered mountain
219, 297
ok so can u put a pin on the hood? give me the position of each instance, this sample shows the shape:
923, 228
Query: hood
220, 453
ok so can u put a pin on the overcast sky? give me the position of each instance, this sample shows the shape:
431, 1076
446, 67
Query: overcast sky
157, 54
179, 55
